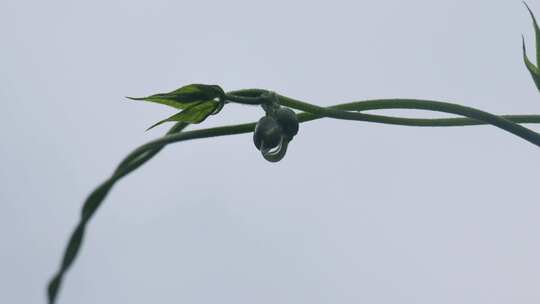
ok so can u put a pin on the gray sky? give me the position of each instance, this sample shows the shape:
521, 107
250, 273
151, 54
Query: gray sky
355, 213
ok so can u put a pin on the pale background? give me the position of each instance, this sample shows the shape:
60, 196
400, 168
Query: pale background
355, 213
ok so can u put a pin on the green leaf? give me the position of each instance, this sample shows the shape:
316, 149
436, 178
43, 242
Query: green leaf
536, 33
194, 113
185, 96
534, 70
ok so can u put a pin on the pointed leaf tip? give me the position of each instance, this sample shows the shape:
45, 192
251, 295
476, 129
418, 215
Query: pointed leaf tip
134, 98
533, 69
185, 96
530, 11
536, 32
195, 113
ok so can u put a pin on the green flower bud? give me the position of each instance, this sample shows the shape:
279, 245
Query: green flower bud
268, 133
288, 121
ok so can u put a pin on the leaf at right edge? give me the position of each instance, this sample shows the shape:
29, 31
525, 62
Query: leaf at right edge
536, 33
195, 113
535, 72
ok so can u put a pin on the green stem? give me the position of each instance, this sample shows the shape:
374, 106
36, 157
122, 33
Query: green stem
418, 122
396, 103
90, 206
144, 153
437, 106
130, 164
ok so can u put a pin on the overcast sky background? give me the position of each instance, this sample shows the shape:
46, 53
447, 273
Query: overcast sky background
355, 213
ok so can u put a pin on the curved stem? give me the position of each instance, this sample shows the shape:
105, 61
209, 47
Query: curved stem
257, 97
394, 103
130, 164
90, 206
145, 152
382, 104
438, 106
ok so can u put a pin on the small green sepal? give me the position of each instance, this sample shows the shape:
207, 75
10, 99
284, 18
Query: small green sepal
185, 96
